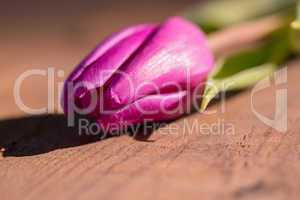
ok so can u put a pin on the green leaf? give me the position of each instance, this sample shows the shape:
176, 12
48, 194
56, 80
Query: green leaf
216, 14
247, 67
238, 81
298, 11
295, 31
243, 60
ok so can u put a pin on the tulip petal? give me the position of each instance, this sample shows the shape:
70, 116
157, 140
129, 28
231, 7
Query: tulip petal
177, 53
159, 107
105, 60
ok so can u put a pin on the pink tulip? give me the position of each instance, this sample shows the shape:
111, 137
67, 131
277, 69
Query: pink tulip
145, 72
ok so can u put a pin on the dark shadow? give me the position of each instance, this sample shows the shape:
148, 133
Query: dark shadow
143, 132
39, 134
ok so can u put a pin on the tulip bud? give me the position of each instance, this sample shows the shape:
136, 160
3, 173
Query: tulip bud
145, 72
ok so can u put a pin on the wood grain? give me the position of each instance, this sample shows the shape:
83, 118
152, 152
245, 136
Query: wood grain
44, 159
254, 161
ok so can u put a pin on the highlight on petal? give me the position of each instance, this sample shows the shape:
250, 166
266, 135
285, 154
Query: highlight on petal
146, 72
177, 53
101, 64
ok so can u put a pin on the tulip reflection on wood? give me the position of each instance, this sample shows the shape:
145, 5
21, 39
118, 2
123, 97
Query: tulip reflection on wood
145, 72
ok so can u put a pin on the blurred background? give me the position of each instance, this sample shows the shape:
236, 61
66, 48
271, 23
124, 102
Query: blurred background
58, 34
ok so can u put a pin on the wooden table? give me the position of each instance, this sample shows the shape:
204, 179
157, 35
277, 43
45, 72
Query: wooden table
45, 159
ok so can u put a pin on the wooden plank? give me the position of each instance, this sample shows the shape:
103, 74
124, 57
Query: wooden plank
254, 161
45, 159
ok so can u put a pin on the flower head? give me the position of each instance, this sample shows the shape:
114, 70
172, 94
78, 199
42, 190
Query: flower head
145, 72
